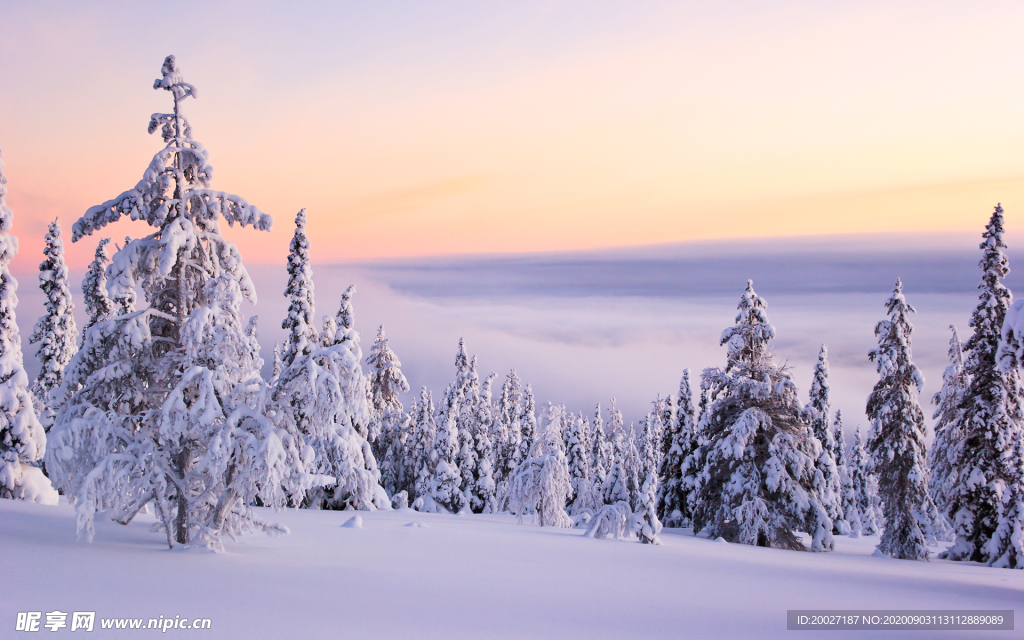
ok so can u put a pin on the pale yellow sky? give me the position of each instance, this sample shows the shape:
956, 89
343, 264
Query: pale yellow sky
430, 128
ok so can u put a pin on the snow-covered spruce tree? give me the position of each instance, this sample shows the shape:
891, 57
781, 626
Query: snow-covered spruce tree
840, 439
896, 440
647, 442
447, 480
584, 499
166, 404
817, 412
673, 506
616, 482
277, 366
55, 331
633, 466
846, 493
327, 396
948, 439
560, 425
758, 483
1005, 549
386, 383
422, 455
645, 516
98, 304
615, 487
468, 381
526, 419
505, 432
541, 484
618, 520
481, 493
598, 449
588, 496
989, 416
22, 438
668, 418
860, 512
669, 429
299, 323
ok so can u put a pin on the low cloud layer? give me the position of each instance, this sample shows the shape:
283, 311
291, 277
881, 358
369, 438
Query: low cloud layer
583, 328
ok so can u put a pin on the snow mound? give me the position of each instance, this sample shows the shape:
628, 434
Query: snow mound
720, 539
418, 525
355, 522
36, 487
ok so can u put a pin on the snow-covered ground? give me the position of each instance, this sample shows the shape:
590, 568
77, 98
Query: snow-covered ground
472, 576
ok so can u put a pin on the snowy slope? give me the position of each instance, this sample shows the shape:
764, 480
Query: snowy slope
464, 577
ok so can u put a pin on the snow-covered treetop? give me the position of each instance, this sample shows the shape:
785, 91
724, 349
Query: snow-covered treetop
55, 331
616, 424
345, 317
173, 82
893, 355
175, 187
819, 386
748, 339
994, 299
299, 322
386, 378
954, 380
462, 367
98, 304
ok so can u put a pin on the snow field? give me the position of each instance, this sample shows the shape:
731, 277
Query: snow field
469, 576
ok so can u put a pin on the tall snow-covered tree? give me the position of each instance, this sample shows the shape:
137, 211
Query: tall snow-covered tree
757, 483
166, 404
647, 524
277, 366
506, 431
896, 440
447, 479
55, 331
948, 439
422, 455
299, 323
840, 440
600, 452
468, 382
648, 441
845, 493
578, 456
860, 511
22, 438
1005, 549
989, 417
615, 487
481, 492
387, 382
818, 410
98, 304
329, 396
541, 484
587, 497
526, 418
673, 506
633, 467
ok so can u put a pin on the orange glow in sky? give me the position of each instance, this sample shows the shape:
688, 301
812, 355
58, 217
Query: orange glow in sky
435, 128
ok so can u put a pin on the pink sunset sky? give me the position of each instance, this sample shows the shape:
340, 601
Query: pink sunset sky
425, 128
